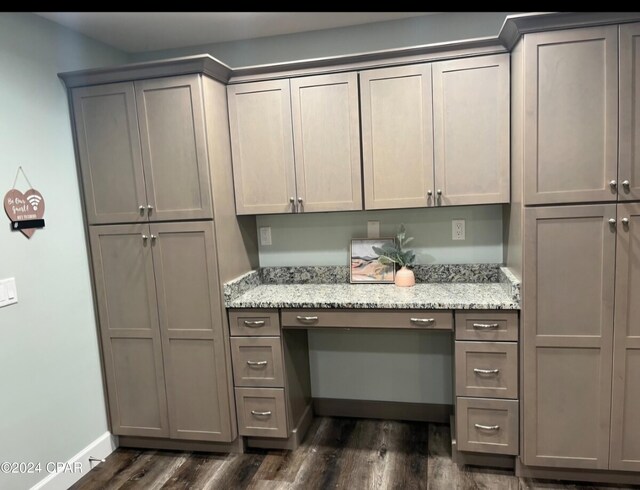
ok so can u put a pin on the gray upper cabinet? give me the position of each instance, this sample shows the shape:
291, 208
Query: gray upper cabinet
397, 137
262, 147
108, 142
571, 116
296, 145
569, 270
326, 136
629, 159
625, 423
126, 296
471, 130
176, 168
142, 150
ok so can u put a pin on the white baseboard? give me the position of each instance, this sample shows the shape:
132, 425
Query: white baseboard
102, 447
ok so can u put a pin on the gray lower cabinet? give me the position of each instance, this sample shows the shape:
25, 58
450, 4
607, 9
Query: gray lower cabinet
162, 331
625, 422
142, 150
486, 382
569, 279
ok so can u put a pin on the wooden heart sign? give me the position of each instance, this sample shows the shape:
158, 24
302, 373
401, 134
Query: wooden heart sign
24, 207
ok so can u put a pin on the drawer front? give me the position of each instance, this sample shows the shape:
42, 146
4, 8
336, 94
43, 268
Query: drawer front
261, 412
254, 323
257, 361
487, 426
406, 319
487, 325
487, 369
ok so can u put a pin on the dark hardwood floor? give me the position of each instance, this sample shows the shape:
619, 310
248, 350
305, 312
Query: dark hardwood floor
338, 453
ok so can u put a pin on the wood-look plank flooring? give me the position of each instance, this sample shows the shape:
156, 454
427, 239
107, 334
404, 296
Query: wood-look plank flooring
337, 453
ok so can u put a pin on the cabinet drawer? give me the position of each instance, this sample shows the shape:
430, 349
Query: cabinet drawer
258, 323
487, 426
257, 361
410, 319
261, 412
487, 325
488, 369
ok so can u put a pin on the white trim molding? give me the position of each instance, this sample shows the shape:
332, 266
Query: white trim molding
63, 478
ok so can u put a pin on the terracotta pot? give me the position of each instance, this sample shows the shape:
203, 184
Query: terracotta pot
405, 278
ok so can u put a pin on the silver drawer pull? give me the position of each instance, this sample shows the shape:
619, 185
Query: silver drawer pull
487, 427
261, 414
307, 318
257, 363
485, 326
254, 323
423, 321
486, 371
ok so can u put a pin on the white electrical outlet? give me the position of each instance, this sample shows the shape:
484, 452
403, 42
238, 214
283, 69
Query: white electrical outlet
265, 235
8, 292
457, 229
373, 229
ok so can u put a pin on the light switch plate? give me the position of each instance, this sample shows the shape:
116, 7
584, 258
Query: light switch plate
457, 229
373, 229
8, 292
265, 235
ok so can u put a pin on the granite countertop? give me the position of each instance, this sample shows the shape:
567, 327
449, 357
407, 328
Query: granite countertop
493, 288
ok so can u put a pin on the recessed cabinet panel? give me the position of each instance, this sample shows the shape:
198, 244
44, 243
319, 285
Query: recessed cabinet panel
569, 265
262, 145
625, 423
397, 136
629, 107
326, 127
174, 148
138, 401
130, 334
471, 127
192, 333
109, 152
571, 115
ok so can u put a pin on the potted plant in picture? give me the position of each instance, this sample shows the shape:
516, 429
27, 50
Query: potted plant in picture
397, 254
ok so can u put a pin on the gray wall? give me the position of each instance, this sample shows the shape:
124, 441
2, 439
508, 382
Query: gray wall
51, 398
427, 29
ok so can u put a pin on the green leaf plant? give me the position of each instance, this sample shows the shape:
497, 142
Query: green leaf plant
396, 253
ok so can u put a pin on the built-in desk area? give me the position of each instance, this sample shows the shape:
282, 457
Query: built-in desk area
269, 326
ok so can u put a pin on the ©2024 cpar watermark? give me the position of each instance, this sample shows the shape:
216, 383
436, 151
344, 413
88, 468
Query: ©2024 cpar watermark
8, 467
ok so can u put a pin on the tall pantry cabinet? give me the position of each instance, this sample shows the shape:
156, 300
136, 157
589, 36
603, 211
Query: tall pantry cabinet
154, 160
575, 147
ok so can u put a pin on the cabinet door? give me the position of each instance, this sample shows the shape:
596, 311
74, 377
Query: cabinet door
195, 360
326, 130
629, 162
571, 115
397, 137
262, 147
471, 130
129, 329
106, 128
625, 423
176, 169
569, 262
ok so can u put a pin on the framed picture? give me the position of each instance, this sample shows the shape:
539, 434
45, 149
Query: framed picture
365, 267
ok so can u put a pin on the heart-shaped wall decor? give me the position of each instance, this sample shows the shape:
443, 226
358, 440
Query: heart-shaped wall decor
24, 207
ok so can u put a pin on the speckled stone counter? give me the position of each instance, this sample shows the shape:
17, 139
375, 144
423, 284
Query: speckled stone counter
250, 291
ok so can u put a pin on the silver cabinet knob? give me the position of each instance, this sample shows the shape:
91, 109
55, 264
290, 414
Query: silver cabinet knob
144, 238
612, 221
149, 209
625, 221
429, 193
300, 200
153, 238
439, 192
291, 200
626, 184
141, 209
613, 183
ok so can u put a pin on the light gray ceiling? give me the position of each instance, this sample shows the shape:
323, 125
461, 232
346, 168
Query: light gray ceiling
136, 32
